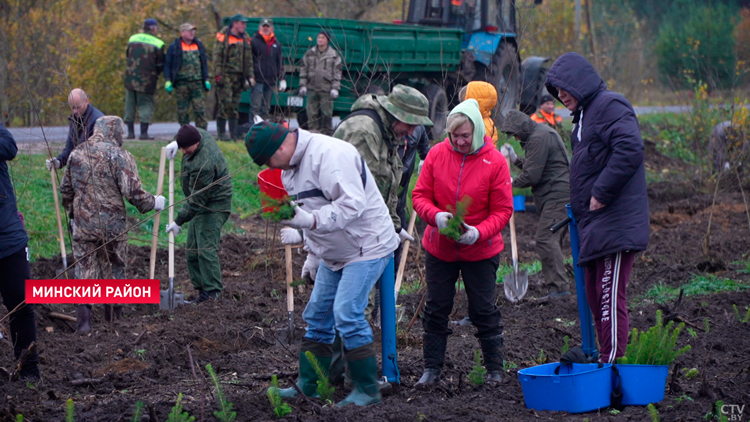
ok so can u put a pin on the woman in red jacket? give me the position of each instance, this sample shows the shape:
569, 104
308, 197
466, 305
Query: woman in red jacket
466, 165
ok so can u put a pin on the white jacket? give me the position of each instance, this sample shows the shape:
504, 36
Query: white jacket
352, 221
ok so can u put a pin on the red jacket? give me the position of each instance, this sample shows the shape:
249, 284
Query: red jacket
447, 176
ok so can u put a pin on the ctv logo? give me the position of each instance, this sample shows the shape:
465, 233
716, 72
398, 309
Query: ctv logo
733, 412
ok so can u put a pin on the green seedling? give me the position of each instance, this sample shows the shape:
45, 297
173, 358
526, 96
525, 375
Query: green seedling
296, 283
476, 376
541, 358
508, 365
141, 354
138, 413
657, 346
29, 385
741, 319
177, 415
280, 409
324, 388
19, 418
690, 373
614, 412
70, 414
706, 325
653, 413
454, 229
691, 332
225, 414
683, 397
280, 209
566, 345
275, 294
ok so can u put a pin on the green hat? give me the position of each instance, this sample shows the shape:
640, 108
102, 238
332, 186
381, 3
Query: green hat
407, 105
263, 140
237, 18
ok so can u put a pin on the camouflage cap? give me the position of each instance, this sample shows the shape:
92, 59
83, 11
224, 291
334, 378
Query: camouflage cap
407, 105
263, 140
187, 27
237, 18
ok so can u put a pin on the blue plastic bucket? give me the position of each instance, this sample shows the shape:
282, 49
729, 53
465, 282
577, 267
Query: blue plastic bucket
519, 203
583, 388
643, 384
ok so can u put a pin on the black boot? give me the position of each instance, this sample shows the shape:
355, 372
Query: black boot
221, 130
433, 348
83, 319
492, 350
233, 129
326, 125
131, 130
144, 132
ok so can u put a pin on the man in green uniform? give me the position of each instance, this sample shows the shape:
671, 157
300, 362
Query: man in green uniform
186, 73
320, 74
233, 64
208, 191
145, 55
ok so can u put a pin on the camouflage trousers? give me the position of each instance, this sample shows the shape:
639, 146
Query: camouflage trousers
202, 250
229, 92
143, 102
106, 263
320, 112
190, 94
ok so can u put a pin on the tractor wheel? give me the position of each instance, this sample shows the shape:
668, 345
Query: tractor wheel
504, 75
438, 109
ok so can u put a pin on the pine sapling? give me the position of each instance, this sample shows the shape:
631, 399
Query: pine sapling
70, 414
138, 414
476, 376
280, 409
566, 345
324, 389
279, 209
225, 414
177, 415
454, 229
653, 413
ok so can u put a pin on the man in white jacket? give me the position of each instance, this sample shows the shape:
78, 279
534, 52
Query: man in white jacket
350, 238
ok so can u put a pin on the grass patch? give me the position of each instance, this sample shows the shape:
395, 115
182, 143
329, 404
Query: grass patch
33, 188
505, 269
698, 284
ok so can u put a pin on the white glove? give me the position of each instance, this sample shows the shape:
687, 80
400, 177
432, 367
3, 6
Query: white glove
310, 268
159, 202
441, 219
334, 93
282, 85
404, 235
172, 150
290, 236
252, 81
302, 219
53, 162
257, 119
419, 169
174, 228
507, 151
470, 237
303, 91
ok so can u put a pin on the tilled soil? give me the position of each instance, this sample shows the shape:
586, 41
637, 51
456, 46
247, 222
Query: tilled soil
153, 357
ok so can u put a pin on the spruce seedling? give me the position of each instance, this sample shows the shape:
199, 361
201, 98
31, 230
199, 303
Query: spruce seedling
324, 388
454, 229
653, 413
177, 415
566, 345
279, 209
476, 376
225, 414
70, 414
19, 418
280, 409
657, 346
138, 414
706, 325
741, 319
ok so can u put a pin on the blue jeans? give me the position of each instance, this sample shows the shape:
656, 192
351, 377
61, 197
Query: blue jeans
338, 301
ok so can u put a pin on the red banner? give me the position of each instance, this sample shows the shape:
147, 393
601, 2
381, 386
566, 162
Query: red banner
92, 291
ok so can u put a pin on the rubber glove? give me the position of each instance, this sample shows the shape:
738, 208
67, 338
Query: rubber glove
159, 202
257, 119
470, 237
302, 219
419, 169
303, 91
53, 162
282, 85
252, 81
290, 236
334, 93
218, 79
168, 86
441, 219
310, 267
509, 152
172, 150
174, 228
404, 235
208, 85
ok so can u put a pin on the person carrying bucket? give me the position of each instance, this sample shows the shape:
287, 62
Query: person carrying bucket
348, 231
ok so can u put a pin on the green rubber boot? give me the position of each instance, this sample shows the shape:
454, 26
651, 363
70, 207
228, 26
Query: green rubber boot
363, 370
308, 379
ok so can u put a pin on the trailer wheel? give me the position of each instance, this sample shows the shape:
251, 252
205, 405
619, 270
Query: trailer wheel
438, 109
504, 75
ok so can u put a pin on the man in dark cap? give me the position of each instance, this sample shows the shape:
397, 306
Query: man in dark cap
186, 72
348, 230
208, 192
268, 64
546, 114
145, 55
233, 66
320, 77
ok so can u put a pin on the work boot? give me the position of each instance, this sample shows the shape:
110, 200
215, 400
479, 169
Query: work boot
433, 349
131, 130
221, 130
83, 319
208, 295
492, 350
363, 370
29, 373
194, 298
326, 126
308, 379
144, 132
108, 312
233, 129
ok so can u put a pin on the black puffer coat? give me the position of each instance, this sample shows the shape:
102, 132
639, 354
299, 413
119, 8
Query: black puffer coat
607, 162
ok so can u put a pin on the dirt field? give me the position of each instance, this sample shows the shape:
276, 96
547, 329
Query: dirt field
148, 357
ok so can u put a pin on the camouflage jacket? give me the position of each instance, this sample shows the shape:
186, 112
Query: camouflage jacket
145, 54
99, 173
381, 155
320, 71
232, 54
206, 166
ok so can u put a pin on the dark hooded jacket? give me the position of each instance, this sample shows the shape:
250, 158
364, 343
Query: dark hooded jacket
607, 162
545, 167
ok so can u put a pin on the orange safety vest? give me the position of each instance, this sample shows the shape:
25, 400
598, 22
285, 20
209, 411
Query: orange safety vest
551, 119
232, 39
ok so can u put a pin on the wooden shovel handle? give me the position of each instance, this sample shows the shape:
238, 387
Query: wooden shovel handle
155, 233
59, 218
512, 223
404, 253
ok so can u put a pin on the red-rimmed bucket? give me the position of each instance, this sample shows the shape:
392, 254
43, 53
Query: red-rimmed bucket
269, 182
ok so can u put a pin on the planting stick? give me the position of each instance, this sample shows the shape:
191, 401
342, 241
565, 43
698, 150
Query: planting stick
59, 223
170, 291
155, 234
405, 253
388, 325
289, 291
584, 313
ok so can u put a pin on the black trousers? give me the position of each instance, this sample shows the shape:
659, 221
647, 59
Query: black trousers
479, 281
15, 271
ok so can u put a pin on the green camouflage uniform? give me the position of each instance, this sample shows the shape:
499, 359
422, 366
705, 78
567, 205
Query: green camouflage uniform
233, 61
189, 88
206, 209
99, 173
320, 73
145, 56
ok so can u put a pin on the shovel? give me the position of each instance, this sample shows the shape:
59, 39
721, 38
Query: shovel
404, 253
59, 225
168, 298
516, 283
289, 292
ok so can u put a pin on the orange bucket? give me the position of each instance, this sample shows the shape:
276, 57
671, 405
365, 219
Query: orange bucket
269, 182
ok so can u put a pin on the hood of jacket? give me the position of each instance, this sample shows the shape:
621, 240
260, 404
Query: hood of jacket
486, 96
573, 73
107, 129
518, 123
471, 109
